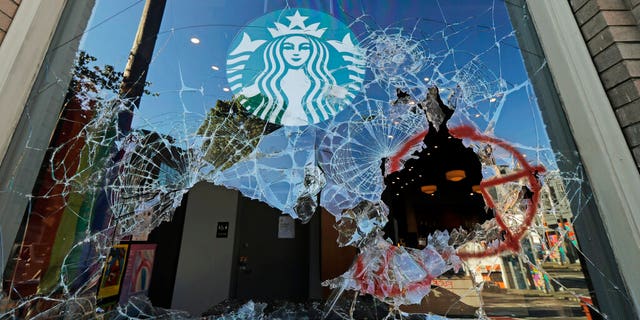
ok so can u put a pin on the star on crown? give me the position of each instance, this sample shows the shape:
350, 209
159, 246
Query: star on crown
296, 26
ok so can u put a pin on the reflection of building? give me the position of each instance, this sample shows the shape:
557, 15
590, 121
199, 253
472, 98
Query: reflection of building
554, 201
549, 239
554, 222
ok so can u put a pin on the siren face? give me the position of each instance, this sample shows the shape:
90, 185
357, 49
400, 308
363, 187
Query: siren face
296, 50
295, 67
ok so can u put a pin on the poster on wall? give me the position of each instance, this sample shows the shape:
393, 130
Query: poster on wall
138, 274
286, 227
113, 271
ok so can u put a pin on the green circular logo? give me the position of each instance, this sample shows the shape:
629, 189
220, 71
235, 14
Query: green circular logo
295, 67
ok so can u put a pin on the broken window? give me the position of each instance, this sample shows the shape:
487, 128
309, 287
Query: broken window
415, 125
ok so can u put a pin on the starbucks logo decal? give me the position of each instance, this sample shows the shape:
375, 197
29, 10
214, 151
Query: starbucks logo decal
295, 67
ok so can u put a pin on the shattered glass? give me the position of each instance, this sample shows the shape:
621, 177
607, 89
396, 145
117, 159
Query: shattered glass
361, 222
429, 68
395, 275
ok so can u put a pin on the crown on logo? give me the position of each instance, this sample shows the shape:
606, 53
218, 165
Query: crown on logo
296, 26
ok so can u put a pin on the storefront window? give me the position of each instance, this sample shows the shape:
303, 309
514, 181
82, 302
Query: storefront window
415, 125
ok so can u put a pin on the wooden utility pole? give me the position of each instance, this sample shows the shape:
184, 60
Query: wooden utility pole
135, 73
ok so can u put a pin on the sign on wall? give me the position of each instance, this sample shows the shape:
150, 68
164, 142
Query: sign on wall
295, 67
286, 227
223, 230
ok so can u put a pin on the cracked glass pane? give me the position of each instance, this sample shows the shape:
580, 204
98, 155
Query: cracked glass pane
414, 125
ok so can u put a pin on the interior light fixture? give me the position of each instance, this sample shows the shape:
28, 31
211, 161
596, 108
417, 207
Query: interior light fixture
429, 189
194, 40
455, 175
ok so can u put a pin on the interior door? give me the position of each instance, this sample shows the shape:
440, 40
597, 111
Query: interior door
268, 267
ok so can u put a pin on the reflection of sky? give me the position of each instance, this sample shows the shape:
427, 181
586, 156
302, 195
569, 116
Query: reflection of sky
188, 87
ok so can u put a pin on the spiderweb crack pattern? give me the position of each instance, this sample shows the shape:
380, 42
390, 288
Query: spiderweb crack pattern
338, 164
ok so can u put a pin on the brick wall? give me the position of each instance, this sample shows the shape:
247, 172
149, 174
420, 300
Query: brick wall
8, 10
612, 31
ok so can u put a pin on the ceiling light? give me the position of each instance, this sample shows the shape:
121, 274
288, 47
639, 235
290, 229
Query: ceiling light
430, 189
215, 68
455, 175
194, 40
